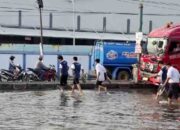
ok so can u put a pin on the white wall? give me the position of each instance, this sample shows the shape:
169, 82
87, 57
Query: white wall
4, 64
31, 60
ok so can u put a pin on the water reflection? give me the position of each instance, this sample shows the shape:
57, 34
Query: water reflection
49, 110
39, 93
63, 99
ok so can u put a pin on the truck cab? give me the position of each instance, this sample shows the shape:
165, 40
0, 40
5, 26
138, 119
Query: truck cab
117, 57
163, 44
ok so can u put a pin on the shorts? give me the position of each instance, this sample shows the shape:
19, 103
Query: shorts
76, 81
63, 80
98, 83
173, 90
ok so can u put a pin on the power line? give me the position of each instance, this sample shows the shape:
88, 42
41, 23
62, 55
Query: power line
158, 5
16, 3
95, 13
55, 8
155, 2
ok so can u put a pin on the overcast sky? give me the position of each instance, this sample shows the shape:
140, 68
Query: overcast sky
92, 12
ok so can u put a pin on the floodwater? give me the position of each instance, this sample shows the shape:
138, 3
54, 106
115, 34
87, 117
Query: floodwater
119, 110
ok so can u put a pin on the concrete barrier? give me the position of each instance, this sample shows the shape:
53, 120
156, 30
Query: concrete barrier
90, 84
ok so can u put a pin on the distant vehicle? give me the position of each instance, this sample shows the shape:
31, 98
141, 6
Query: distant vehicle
117, 57
163, 44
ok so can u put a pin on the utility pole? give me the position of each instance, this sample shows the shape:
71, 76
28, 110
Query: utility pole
138, 49
40, 3
141, 16
74, 40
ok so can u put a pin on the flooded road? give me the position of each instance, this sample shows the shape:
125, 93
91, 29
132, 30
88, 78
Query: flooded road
121, 110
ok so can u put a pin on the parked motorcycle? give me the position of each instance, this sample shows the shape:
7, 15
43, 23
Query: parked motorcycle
52, 73
32, 75
48, 75
18, 75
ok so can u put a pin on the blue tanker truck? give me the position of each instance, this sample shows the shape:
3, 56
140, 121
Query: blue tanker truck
117, 57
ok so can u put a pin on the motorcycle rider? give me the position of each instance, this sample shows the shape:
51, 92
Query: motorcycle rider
41, 68
13, 68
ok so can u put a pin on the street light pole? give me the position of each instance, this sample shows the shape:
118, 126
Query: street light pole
41, 25
138, 49
74, 40
40, 3
141, 16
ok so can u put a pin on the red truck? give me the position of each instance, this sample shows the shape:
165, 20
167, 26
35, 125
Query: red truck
162, 44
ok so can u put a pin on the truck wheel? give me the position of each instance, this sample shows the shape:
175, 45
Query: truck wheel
123, 75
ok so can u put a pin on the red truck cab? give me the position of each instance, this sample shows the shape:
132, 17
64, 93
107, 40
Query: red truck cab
162, 44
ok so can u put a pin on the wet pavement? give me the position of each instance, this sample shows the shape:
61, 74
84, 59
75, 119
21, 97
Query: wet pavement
123, 109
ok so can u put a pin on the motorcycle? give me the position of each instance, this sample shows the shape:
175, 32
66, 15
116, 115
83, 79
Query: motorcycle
51, 75
48, 74
18, 75
32, 75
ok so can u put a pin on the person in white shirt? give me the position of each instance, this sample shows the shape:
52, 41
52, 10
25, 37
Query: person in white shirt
173, 79
100, 76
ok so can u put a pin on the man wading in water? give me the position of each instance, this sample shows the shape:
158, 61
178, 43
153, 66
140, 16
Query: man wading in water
100, 76
173, 78
76, 68
64, 72
162, 74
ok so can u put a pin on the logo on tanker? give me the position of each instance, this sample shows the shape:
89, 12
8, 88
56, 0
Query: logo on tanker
112, 55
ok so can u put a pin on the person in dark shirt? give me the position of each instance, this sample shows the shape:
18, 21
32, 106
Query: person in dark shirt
76, 68
162, 75
41, 68
64, 71
12, 66
163, 72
